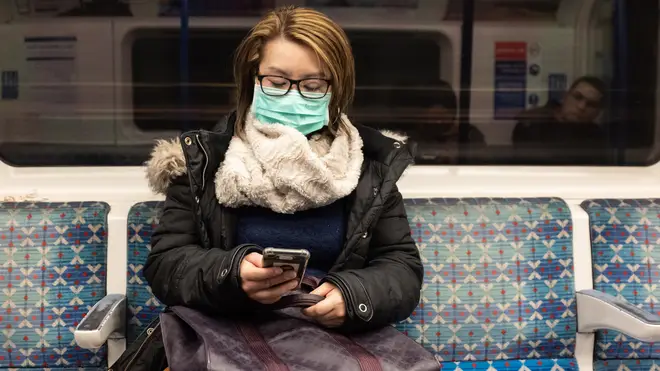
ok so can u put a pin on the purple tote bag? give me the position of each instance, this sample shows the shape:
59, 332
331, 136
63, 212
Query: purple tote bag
283, 341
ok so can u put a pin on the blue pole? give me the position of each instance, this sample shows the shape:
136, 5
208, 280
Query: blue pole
620, 83
184, 72
465, 93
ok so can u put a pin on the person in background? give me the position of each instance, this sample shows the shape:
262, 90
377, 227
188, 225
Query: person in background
435, 127
289, 170
443, 113
570, 122
567, 129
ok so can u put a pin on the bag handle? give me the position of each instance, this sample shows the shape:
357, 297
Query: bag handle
309, 283
296, 300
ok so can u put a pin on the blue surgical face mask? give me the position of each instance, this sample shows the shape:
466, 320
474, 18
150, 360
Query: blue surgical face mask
292, 109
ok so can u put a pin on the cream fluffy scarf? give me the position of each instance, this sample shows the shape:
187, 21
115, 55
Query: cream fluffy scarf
279, 168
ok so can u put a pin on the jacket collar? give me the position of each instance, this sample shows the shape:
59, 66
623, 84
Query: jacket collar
199, 154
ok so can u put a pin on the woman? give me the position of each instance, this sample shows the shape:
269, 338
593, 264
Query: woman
288, 169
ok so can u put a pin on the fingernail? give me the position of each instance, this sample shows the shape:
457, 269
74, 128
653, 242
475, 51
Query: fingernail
277, 271
290, 275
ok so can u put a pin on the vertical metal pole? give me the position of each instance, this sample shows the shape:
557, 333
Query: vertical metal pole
620, 83
184, 72
465, 93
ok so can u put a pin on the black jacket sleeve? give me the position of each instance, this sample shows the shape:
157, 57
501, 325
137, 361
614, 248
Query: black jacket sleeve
388, 288
182, 272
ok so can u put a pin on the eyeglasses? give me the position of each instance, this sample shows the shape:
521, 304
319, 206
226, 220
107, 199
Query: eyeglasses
279, 86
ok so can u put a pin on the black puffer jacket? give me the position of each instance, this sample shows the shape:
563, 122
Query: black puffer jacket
194, 261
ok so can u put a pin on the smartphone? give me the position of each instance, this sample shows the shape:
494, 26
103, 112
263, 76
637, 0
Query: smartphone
287, 259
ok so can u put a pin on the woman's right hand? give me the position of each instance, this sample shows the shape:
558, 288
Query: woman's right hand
265, 285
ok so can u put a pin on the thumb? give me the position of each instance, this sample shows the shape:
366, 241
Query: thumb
255, 259
324, 289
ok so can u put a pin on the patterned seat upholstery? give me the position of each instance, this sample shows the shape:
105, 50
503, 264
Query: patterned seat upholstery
498, 290
53, 271
143, 307
626, 264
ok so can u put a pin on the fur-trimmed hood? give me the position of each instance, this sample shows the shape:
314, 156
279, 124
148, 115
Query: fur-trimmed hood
167, 161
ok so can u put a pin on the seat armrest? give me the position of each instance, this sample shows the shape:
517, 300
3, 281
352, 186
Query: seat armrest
599, 311
106, 320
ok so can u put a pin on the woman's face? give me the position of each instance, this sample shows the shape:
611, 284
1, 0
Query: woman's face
285, 58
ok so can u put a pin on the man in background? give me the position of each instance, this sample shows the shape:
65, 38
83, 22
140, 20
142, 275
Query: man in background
571, 122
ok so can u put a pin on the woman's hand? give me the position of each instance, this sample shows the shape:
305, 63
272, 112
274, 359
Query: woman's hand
265, 285
331, 311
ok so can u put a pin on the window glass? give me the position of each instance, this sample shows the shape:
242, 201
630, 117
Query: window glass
211, 8
95, 82
364, 3
157, 93
507, 10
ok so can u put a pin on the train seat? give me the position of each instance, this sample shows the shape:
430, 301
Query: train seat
626, 265
498, 289
481, 256
53, 270
143, 307
127, 316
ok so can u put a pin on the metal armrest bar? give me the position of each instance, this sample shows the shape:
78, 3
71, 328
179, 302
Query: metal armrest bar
106, 320
599, 311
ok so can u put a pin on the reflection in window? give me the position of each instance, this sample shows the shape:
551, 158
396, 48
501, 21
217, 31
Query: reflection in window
529, 105
410, 4
506, 10
99, 8
567, 125
156, 84
217, 8
379, 73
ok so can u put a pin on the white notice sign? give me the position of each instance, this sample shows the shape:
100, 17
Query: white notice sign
51, 69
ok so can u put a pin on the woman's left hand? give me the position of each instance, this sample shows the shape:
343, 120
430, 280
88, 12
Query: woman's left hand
331, 311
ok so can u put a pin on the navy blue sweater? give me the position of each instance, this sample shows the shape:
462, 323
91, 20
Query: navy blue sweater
320, 231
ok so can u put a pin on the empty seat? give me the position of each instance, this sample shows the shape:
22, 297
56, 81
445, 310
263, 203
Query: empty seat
625, 259
498, 290
143, 307
52, 271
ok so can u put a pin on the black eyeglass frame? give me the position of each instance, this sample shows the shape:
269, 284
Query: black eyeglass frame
296, 83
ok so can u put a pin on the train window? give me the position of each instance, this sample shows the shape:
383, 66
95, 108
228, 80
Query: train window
550, 82
506, 10
157, 93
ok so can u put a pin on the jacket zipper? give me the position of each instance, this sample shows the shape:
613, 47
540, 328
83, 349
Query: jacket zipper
206, 161
130, 363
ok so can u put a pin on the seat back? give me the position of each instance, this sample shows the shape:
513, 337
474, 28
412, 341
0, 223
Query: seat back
498, 283
498, 289
52, 271
143, 307
625, 261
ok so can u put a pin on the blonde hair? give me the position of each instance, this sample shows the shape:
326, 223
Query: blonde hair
306, 27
